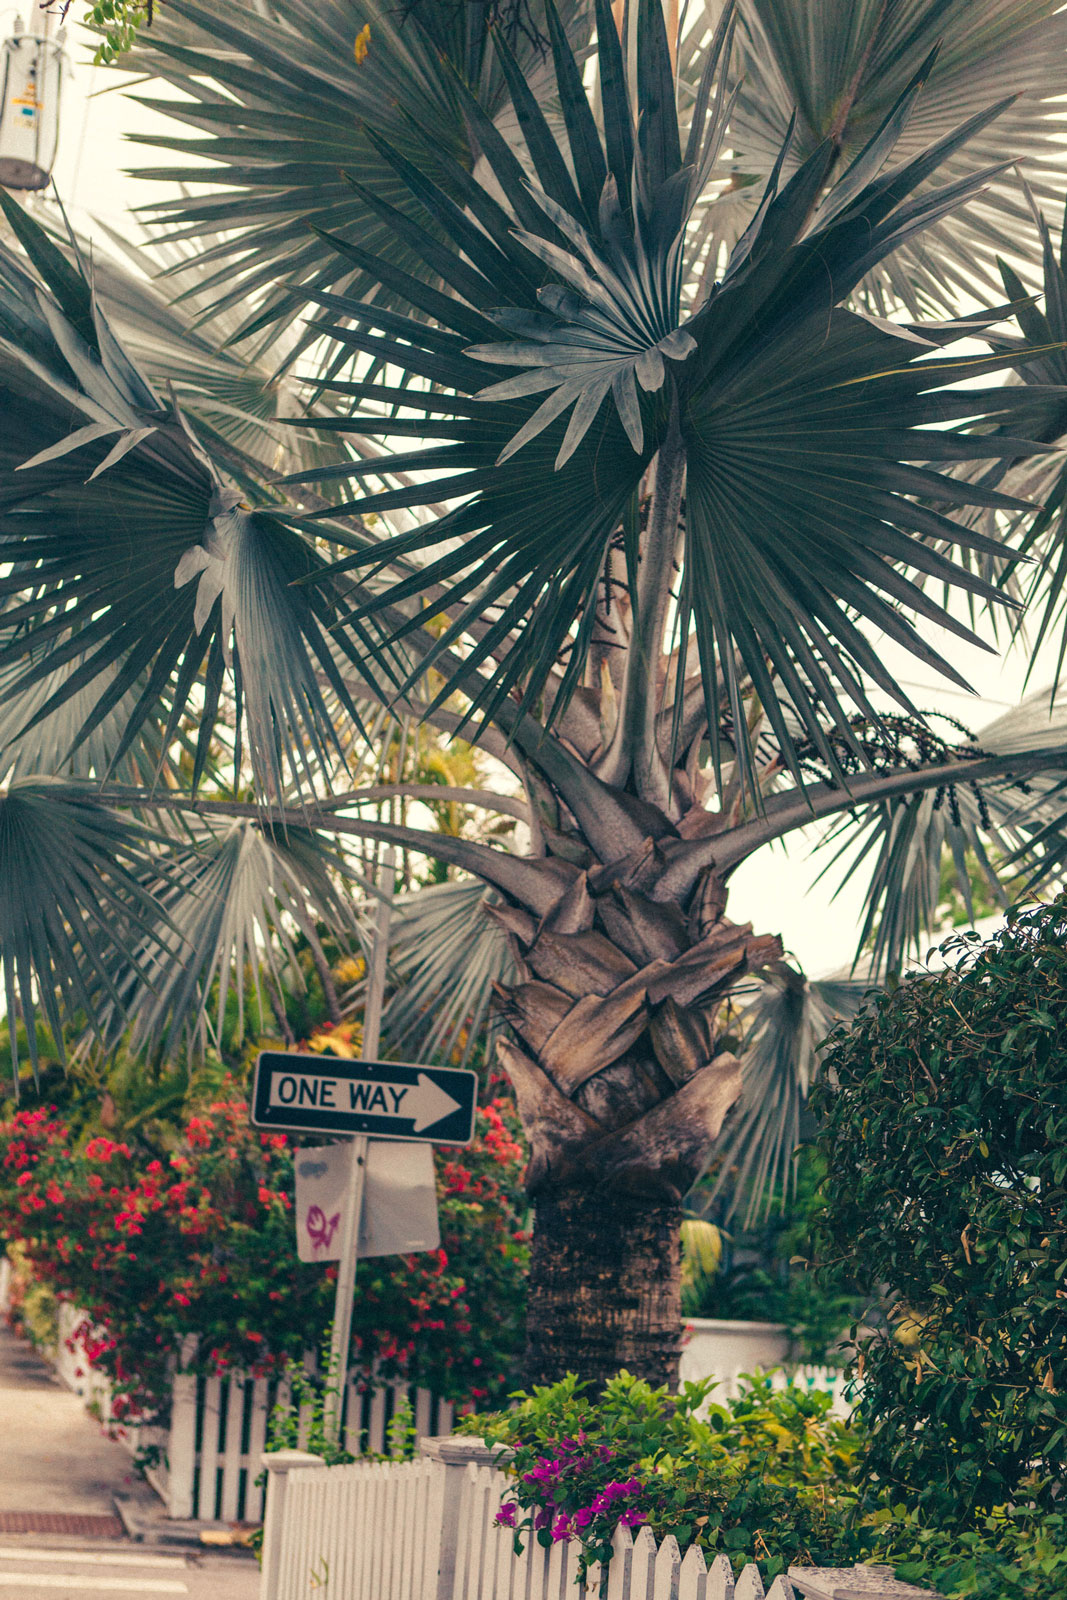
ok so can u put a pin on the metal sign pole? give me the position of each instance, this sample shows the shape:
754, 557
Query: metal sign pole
352, 1214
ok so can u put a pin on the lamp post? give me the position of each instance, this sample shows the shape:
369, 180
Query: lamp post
32, 68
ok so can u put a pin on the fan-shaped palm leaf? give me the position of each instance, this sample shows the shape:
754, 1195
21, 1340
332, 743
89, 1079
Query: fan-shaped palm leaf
448, 956
280, 98
783, 1025
238, 896
899, 845
155, 568
840, 66
797, 425
76, 916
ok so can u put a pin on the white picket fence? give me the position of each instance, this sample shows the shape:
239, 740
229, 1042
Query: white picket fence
426, 1530
218, 1433
370, 1530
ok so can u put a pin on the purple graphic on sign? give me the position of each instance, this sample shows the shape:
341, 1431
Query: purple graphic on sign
320, 1229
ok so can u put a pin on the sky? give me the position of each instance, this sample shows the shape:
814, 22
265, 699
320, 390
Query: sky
775, 890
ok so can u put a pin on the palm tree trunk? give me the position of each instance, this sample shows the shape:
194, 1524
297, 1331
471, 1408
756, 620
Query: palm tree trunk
622, 1086
605, 1291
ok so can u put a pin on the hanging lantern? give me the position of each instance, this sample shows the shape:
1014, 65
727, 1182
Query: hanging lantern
31, 79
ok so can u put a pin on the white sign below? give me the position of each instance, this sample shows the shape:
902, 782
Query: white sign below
399, 1201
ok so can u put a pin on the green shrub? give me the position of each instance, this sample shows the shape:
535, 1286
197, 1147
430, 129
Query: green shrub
766, 1476
945, 1142
1006, 1555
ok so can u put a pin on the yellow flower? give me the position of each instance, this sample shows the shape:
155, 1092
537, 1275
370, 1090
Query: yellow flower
349, 970
362, 44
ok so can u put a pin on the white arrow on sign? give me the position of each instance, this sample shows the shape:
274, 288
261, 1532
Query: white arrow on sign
431, 1103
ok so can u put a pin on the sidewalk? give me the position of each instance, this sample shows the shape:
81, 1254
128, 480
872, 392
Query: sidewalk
54, 1459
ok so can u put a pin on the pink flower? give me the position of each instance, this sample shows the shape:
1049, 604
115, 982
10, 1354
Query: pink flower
506, 1515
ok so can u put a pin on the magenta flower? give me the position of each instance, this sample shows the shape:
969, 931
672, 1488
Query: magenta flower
561, 1529
632, 1518
506, 1515
582, 1518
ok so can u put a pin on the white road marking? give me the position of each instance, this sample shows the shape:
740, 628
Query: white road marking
82, 1580
91, 1558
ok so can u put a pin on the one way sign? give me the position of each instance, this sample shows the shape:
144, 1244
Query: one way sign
386, 1099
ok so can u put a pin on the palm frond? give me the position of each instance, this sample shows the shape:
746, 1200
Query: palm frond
899, 845
279, 99
77, 913
134, 559
238, 895
448, 955
783, 1027
808, 431
840, 67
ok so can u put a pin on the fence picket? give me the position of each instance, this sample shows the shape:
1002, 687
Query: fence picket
693, 1575
182, 1445
643, 1566
749, 1585
496, 1574
538, 1572
376, 1423
230, 1498
781, 1589
408, 1506
364, 1532
571, 1561
720, 1579
435, 1503
520, 1579
252, 1510
622, 1550
665, 1572
423, 1413
209, 1449
504, 1565
331, 1501
554, 1575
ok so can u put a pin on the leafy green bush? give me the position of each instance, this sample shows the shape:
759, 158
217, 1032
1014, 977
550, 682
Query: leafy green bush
945, 1142
764, 1476
1010, 1554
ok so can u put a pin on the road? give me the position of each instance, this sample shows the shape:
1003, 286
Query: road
50, 1572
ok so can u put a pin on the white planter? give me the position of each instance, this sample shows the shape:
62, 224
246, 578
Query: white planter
725, 1350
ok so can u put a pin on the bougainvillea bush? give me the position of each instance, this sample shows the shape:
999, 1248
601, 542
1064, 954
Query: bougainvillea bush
201, 1242
766, 1475
945, 1143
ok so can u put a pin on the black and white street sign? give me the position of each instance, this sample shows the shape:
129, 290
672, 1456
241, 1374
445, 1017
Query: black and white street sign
386, 1099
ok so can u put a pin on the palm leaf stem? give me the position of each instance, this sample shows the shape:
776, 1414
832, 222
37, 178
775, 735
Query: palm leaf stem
509, 805
784, 814
524, 880
634, 744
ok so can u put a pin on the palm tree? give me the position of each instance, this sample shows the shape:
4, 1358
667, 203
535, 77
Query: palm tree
636, 351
